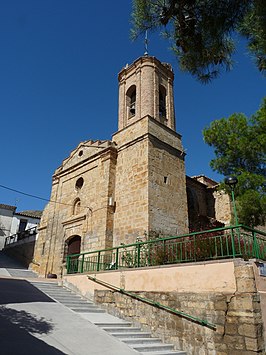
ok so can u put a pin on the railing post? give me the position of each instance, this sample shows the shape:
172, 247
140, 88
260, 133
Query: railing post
164, 252
68, 264
255, 249
98, 260
116, 258
195, 239
233, 243
82, 264
138, 255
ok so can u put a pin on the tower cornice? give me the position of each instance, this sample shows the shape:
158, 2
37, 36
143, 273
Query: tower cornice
144, 61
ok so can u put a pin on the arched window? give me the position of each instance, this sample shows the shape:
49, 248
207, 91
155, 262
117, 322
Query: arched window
131, 101
162, 102
79, 183
76, 206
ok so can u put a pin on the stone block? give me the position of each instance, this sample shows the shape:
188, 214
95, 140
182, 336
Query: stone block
220, 305
235, 342
244, 271
244, 302
231, 328
220, 329
246, 285
251, 344
248, 330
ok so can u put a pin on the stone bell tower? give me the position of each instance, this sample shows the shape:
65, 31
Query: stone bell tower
146, 88
150, 186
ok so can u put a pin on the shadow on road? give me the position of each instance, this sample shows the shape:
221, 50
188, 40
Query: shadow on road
16, 338
9, 263
20, 291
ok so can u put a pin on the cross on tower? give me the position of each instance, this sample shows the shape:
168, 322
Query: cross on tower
146, 43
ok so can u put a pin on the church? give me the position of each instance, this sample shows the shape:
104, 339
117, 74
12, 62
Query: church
115, 191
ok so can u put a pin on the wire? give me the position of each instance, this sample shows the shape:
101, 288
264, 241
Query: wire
38, 197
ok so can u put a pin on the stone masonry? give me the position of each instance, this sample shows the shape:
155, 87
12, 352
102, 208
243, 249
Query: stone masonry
111, 192
237, 316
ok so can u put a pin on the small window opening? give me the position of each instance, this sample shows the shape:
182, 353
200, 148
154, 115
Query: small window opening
80, 153
43, 248
165, 179
22, 225
131, 100
162, 102
79, 183
76, 207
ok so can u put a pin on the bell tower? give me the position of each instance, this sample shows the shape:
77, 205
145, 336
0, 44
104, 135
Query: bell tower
150, 180
146, 88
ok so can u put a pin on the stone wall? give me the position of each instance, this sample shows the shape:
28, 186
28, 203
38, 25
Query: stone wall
22, 251
223, 208
237, 316
131, 183
92, 221
168, 213
150, 191
208, 207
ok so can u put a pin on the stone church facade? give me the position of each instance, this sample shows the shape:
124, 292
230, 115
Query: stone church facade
111, 192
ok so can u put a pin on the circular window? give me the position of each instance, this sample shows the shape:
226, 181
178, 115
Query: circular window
79, 183
80, 153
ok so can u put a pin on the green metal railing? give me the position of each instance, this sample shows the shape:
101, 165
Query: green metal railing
220, 243
156, 304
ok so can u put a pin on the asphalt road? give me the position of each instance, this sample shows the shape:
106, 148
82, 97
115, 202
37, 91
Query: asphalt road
31, 323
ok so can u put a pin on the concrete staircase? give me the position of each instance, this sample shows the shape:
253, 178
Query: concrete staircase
141, 342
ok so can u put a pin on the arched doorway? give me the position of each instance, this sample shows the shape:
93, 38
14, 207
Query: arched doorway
72, 246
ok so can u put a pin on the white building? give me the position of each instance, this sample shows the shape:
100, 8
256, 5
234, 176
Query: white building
16, 225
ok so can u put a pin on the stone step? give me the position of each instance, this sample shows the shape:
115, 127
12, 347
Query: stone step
81, 306
128, 330
118, 324
44, 284
88, 310
169, 352
122, 336
152, 347
141, 342
77, 303
150, 340
64, 297
54, 289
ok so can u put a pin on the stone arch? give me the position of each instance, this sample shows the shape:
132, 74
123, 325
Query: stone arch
162, 102
79, 182
131, 100
72, 245
76, 206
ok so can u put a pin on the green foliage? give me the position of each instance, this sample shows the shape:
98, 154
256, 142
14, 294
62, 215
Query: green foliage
240, 147
202, 32
253, 27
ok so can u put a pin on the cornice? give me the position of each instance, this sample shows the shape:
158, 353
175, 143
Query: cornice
74, 219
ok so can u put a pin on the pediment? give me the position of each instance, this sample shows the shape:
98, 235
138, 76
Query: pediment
82, 152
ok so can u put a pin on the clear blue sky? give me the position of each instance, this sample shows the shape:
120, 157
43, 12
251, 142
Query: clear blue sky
58, 86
